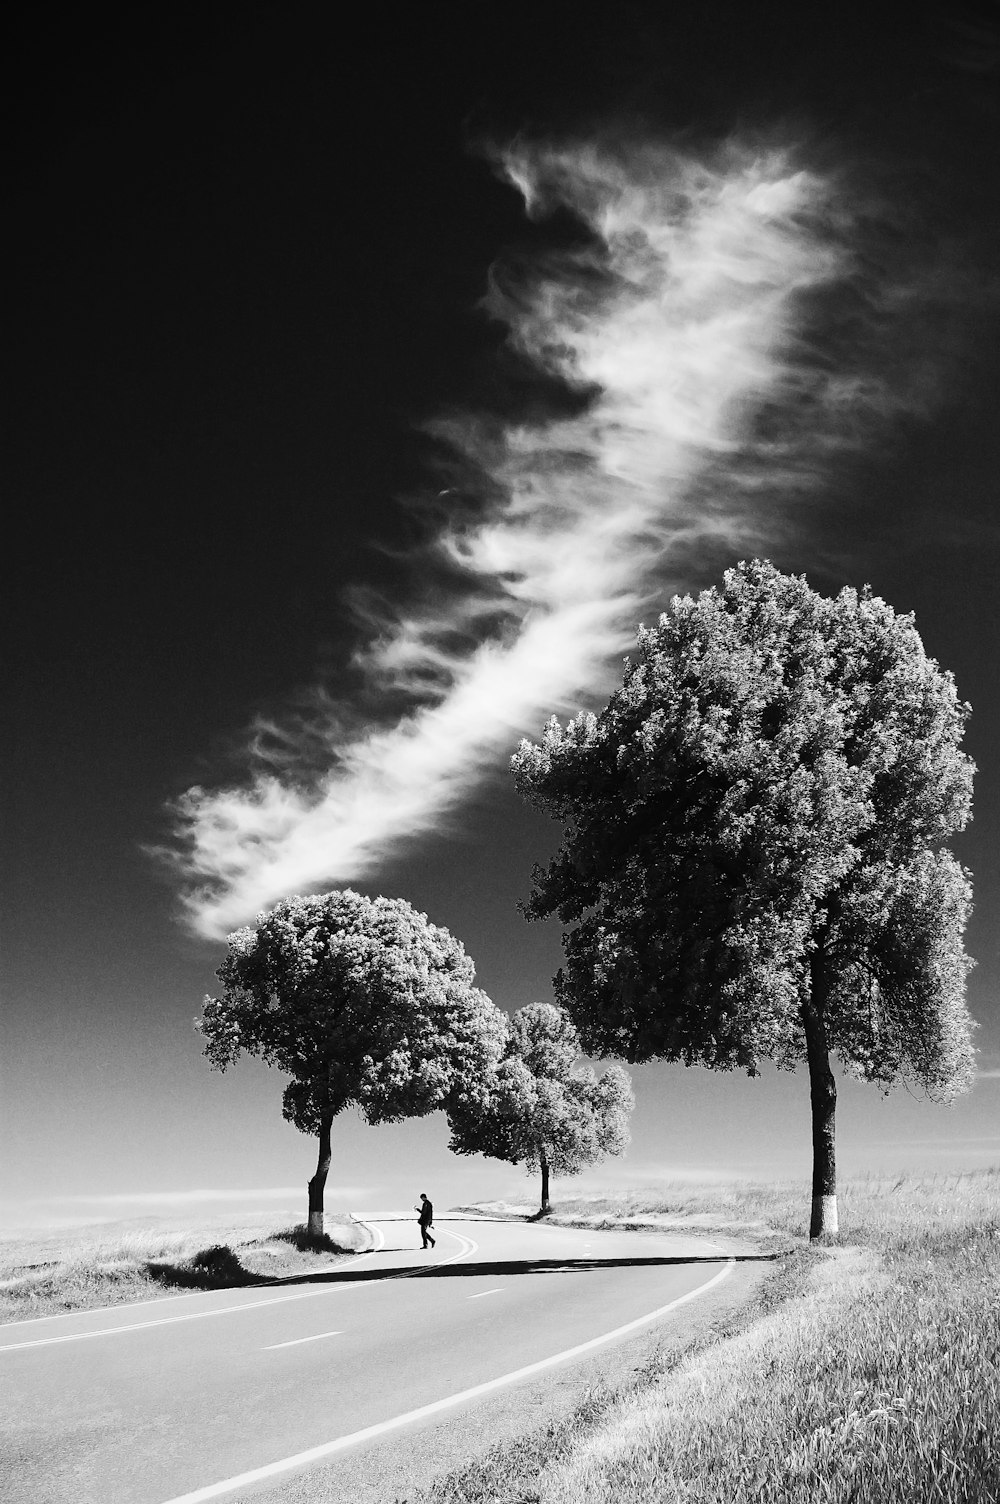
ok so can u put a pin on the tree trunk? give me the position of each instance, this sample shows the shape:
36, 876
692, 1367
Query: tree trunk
823, 1097
545, 1207
318, 1183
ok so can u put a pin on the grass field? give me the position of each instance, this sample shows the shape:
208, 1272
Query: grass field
96, 1266
866, 1372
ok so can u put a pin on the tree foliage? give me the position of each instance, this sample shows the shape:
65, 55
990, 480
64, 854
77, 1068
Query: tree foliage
542, 1110
753, 858
361, 1001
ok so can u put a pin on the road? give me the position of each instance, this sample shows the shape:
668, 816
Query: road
209, 1395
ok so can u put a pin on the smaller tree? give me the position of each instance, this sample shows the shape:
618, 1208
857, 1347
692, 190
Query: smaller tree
363, 1002
541, 1110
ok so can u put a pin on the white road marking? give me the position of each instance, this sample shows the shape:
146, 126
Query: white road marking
498, 1291
159, 1300
341, 1444
250, 1305
139, 1326
298, 1341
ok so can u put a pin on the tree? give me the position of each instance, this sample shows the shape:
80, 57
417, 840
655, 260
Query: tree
752, 857
540, 1109
363, 1002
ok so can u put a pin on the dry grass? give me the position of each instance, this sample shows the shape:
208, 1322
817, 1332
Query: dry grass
79, 1270
873, 1208
872, 1380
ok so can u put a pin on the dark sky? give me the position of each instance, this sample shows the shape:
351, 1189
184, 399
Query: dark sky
249, 245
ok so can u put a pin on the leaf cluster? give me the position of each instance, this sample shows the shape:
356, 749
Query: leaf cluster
539, 1104
361, 1001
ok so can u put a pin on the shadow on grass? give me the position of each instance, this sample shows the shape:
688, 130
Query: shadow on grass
307, 1242
219, 1268
215, 1268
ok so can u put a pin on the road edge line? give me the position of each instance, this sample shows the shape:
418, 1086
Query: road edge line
158, 1300
342, 1443
250, 1305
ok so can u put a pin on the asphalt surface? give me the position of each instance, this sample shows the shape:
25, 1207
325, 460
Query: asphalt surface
227, 1393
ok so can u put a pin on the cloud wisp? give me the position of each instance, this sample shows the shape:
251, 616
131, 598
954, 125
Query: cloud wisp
683, 329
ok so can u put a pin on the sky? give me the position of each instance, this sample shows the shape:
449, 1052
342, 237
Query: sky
366, 392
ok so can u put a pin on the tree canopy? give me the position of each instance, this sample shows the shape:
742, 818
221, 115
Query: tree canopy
361, 1001
753, 858
542, 1110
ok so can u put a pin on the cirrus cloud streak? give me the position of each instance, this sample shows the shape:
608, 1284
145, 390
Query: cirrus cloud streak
683, 329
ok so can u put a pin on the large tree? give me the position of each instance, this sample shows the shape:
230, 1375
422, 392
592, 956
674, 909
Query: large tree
753, 859
363, 1002
541, 1109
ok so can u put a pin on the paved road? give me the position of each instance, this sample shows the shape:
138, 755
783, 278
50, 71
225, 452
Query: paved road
202, 1396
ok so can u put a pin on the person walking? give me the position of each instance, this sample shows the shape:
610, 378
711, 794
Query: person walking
426, 1220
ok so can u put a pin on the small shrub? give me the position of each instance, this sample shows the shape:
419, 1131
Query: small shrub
218, 1263
209, 1269
307, 1242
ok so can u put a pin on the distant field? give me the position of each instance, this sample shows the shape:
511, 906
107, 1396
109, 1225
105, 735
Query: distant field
866, 1372
872, 1207
82, 1268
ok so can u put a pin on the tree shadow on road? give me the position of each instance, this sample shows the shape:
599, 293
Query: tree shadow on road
494, 1267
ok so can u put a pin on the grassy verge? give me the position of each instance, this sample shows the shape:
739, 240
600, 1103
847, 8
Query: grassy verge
866, 1372
78, 1271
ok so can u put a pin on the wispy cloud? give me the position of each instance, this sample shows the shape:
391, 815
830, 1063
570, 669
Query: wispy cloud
686, 329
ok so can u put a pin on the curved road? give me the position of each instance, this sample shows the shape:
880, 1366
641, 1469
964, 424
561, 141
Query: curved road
202, 1396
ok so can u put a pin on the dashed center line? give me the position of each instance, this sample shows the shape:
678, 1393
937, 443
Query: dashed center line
479, 1294
467, 1246
424, 1412
297, 1341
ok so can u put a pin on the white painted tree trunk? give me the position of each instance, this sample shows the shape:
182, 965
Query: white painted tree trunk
824, 1216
